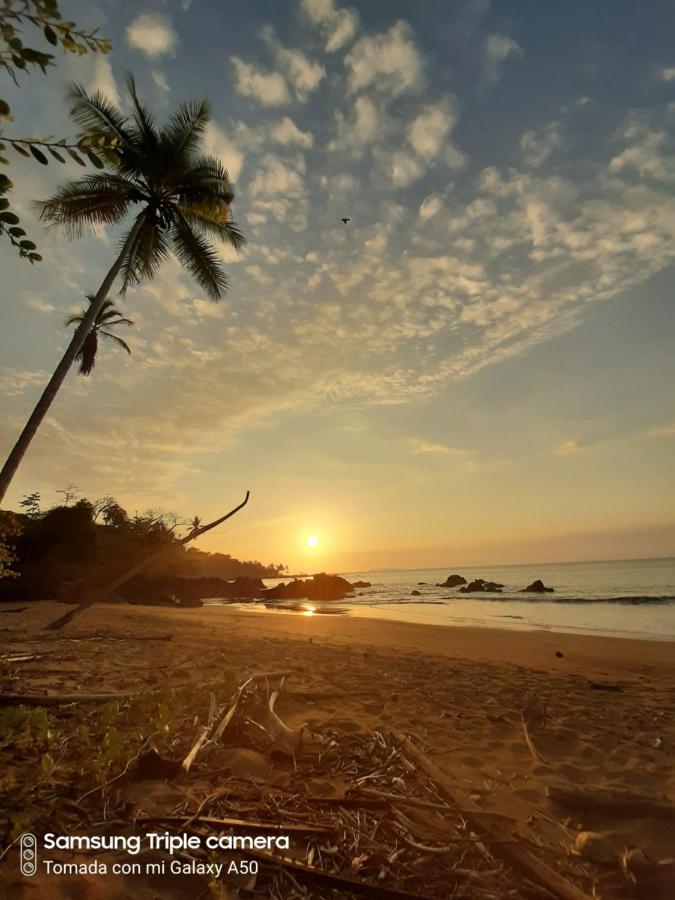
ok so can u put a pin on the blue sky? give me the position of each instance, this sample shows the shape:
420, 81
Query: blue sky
477, 368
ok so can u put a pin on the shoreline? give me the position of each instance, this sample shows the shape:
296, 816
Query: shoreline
345, 609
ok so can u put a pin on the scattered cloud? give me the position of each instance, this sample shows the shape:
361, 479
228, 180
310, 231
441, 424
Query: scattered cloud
217, 143
431, 447
287, 132
303, 74
662, 431
39, 304
430, 207
498, 48
160, 79
268, 88
388, 62
338, 25
537, 146
569, 448
353, 134
152, 34
428, 133
668, 74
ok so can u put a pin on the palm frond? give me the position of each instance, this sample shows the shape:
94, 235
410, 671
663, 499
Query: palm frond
146, 254
186, 127
87, 353
145, 126
96, 112
199, 258
83, 204
117, 340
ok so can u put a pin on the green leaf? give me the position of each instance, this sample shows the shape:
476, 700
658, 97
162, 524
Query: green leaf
95, 161
20, 149
3, 204
39, 155
56, 155
78, 159
16, 231
27, 245
9, 218
4, 108
50, 34
34, 257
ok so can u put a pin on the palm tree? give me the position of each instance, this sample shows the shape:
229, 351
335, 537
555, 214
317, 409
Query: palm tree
184, 199
108, 317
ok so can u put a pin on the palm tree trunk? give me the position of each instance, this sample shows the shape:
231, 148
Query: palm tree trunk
57, 379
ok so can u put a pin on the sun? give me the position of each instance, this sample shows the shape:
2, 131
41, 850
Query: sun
312, 541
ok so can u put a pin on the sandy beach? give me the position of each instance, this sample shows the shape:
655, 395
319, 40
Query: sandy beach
459, 692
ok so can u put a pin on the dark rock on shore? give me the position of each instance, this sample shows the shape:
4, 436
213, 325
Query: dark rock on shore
453, 581
537, 587
159, 591
319, 587
416, 593
361, 584
480, 585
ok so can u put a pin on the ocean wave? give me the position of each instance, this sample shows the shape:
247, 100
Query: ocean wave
518, 598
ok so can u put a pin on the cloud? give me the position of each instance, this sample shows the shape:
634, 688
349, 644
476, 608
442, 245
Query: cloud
152, 34
287, 132
388, 62
430, 207
39, 304
569, 448
429, 131
216, 143
668, 74
537, 146
404, 169
662, 431
648, 149
355, 133
160, 79
431, 447
268, 88
302, 73
338, 25
498, 48
278, 176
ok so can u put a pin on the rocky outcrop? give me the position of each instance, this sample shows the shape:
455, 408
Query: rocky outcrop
537, 587
319, 587
416, 593
453, 581
480, 585
189, 591
361, 584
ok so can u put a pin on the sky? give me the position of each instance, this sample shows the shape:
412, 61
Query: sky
477, 369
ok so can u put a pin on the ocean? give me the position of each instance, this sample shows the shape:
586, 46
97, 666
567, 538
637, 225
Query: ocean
623, 598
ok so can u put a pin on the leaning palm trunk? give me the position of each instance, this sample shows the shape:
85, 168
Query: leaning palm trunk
42, 406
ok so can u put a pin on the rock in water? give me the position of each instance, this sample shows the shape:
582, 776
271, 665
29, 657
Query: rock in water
451, 581
537, 587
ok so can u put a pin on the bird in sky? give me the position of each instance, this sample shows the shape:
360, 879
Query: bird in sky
345, 220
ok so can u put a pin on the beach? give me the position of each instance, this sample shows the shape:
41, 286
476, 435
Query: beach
459, 692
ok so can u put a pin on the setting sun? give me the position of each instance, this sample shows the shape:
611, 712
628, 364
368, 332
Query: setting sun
312, 542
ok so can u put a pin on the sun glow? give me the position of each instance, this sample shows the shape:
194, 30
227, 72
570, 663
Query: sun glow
312, 541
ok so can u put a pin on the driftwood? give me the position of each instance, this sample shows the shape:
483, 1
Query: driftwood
111, 588
214, 731
59, 699
513, 852
414, 803
19, 609
605, 686
620, 803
